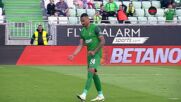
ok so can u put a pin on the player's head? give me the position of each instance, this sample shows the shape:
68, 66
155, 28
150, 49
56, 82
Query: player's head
84, 18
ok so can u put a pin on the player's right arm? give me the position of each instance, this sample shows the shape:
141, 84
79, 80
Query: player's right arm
77, 50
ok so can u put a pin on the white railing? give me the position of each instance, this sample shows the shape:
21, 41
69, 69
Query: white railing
20, 33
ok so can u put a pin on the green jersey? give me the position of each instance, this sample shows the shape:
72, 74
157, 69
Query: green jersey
90, 36
111, 7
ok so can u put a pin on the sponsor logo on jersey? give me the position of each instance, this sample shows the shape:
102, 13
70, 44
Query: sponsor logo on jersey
88, 41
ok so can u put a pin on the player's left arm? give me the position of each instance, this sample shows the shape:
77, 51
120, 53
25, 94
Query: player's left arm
101, 43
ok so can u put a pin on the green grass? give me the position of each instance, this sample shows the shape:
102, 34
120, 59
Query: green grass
62, 83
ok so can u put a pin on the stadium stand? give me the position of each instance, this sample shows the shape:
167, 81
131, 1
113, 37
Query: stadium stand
142, 20
52, 20
1, 19
97, 4
141, 8
160, 12
147, 14
126, 3
22, 16
19, 14
91, 12
70, 4
25, 10
161, 20
139, 12
1, 16
1, 12
73, 20
152, 20
137, 4
174, 20
156, 4
80, 11
63, 20
133, 20
179, 19
72, 12
113, 20
118, 3
178, 12
146, 4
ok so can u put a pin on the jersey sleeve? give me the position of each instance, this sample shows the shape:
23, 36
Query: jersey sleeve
98, 31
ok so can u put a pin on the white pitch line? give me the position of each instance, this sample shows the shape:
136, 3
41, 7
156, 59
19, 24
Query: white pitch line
174, 98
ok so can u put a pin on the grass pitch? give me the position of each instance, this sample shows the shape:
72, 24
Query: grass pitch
63, 83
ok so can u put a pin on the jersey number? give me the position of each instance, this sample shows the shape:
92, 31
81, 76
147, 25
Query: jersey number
92, 61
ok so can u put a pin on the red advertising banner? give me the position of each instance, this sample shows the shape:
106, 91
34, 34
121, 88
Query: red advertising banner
142, 55
112, 55
51, 55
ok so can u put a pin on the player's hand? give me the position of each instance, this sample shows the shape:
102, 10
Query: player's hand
71, 57
91, 53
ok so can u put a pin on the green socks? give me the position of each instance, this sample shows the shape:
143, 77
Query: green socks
88, 82
97, 83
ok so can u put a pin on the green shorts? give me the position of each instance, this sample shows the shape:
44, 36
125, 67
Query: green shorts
94, 61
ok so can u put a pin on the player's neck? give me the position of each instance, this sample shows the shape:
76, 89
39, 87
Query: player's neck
88, 26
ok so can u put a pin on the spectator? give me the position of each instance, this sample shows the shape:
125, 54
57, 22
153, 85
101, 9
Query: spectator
90, 4
40, 37
62, 8
174, 5
51, 8
124, 7
111, 8
85, 5
104, 15
97, 18
121, 15
170, 14
78, 4
130, 10
165, 3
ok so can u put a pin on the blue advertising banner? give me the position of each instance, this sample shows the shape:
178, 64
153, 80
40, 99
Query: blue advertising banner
134, 35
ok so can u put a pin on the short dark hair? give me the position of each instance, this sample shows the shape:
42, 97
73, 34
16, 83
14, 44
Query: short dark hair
84, 15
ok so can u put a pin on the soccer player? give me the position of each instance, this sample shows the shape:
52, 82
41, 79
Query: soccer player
92, 38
